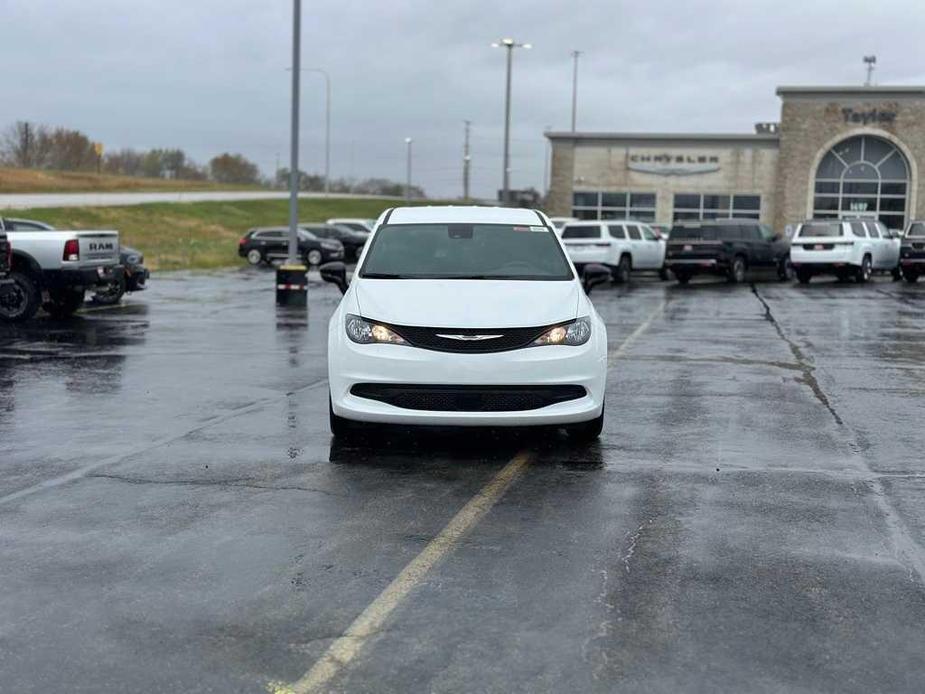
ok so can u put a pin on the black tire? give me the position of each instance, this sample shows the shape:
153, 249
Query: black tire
254, 257
112, 293
843, 275
623, 271
911, 276
804, 276
19, 298
313, 257
64, 302
785, 270
682, 277
863, 273
896, 274
737, 270
341, 428
663, 275
586, 432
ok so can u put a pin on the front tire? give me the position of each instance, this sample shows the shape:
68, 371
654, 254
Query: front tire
621, 274
804, 276
911, 276
682, 277
313, 257
737, 271
341, 428
254, 257
864, 272
586, 432
64, 302
785, 270
19, 298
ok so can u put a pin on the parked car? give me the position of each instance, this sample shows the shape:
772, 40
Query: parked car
730, 248
363, 226
623, 246
133, 277
7, 287
265, 244
848, 249
466, 316
559, 222
56, 265
912, 251
353, 241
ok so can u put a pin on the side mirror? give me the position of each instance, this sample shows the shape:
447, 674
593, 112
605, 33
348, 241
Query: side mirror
593, 275
335, 273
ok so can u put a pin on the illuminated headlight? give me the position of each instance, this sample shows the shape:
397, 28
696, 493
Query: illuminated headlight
578, 332
366, 332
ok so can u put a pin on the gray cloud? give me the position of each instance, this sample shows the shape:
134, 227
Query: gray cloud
210, 75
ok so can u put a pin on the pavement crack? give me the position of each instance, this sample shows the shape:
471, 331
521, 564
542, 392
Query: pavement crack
246, 482
807, 370
633, 542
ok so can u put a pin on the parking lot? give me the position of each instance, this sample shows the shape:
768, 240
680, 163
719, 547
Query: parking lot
174, 515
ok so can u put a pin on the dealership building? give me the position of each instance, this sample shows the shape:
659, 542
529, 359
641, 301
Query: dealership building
836, 151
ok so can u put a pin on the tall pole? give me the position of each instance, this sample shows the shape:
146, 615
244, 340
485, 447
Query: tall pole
510, 45
466, 160
294, 135
869, 60
575, 55
546, 156
408, 142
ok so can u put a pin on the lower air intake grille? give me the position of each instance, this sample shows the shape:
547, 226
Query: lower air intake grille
440, 398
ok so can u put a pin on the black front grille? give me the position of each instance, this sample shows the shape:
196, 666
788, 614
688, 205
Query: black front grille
442, 398
489, 340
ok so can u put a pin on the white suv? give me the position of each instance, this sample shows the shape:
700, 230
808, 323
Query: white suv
846, 248
623, 246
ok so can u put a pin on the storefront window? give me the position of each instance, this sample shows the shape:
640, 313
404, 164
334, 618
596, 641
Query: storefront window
863, 175
613, 205
709, 206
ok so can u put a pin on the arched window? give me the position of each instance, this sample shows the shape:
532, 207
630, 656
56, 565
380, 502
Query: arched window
863, 176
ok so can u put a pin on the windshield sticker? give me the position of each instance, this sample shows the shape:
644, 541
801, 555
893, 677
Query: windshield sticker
537, 228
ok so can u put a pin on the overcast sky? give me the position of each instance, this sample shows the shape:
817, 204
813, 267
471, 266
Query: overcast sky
210, 75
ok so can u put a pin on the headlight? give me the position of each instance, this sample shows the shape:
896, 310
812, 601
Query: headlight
365, 332
134, 259
575, 333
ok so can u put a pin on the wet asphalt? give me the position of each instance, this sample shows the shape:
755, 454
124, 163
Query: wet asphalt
174, 515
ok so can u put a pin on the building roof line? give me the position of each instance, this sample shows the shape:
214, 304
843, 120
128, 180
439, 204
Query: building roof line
853, 90
729, 137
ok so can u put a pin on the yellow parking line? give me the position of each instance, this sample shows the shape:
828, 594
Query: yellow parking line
346, 648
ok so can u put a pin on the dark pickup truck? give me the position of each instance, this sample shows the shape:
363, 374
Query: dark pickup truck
912, 252
730, 248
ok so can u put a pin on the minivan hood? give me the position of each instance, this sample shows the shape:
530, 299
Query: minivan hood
468, 303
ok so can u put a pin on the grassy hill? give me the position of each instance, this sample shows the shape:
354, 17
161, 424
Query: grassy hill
199, 234
40, 181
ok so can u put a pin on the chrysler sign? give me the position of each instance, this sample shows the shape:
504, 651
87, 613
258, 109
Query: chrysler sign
673, 164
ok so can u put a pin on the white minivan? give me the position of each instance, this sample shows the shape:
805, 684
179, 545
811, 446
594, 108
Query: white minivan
621, 245
848, 249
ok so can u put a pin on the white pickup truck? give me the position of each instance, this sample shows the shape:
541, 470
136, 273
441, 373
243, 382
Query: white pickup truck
53, 268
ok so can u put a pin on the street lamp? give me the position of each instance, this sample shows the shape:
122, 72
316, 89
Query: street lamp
510, 45
575, 55
408, 143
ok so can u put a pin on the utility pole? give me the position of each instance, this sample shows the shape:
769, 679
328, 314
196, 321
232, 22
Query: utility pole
870, 61
466, 160
510, 45
575, 55
408, 142
547, 152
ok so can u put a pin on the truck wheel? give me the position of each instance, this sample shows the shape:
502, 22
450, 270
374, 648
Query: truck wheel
254, 257
64, 302
112, 293
804, 276
864, 272
911, 276
737, 271
621, 273
663, 275
897, 274
19, 298
313, 257
682, 276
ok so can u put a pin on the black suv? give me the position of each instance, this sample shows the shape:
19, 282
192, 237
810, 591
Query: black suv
352, 240
265, 244
912, 252
727, 248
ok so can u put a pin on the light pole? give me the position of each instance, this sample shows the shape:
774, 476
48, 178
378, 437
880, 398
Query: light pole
575, 55
466, 161
510, 45
408, 143
870, 61
294, 134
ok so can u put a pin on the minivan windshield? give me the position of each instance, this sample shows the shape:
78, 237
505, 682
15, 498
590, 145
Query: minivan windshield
465, 251
820, 229
916, 229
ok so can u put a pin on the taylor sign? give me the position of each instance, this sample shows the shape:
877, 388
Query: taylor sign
673, 164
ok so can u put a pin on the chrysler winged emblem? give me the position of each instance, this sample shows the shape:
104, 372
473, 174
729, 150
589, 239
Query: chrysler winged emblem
470, 338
